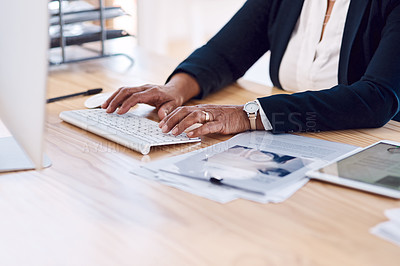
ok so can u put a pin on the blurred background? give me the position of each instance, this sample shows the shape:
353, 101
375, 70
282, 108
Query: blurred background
172, 28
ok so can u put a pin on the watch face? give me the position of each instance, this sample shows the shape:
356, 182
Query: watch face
251, 107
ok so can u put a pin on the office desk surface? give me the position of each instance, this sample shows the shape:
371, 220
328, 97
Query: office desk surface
87, 209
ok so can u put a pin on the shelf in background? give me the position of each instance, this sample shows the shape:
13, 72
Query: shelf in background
88, 37
87, 15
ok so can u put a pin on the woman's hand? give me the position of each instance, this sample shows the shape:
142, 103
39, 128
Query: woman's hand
222, 119
177, 91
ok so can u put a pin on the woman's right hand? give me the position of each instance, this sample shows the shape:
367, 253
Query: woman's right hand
181, 88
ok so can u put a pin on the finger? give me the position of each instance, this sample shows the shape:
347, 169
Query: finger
192, 127
107, 102
189, 120
207, 128
162, 122
120, 97
166, 108
139, 97
175, 117
203, 116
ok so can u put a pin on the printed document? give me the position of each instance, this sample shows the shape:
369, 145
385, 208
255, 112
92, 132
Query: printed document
256, 165
389, 230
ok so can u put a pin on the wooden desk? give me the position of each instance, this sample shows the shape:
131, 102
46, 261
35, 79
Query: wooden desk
88, 210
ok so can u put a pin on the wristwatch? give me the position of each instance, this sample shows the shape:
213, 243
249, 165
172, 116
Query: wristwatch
251, 109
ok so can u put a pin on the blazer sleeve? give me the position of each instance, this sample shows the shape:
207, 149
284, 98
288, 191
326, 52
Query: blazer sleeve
370, 102
232, 51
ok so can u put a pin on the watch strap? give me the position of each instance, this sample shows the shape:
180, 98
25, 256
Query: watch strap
252, 118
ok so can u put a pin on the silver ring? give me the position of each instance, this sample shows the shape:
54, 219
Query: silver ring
207, 116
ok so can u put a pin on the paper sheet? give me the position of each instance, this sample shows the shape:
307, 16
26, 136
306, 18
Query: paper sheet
313, 151
389, 230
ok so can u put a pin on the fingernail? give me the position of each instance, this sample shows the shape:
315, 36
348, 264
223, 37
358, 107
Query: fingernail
161, 124
165, 129
189, 134
174, 131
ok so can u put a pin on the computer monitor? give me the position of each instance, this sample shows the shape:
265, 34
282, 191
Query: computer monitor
23, 80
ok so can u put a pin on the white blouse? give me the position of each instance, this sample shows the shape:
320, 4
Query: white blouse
310, 63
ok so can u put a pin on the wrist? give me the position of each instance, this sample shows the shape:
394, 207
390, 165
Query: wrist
259, 124
185, 86
252, 111
246, 121
258, 121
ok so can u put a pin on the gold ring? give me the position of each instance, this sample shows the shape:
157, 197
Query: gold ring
207, 116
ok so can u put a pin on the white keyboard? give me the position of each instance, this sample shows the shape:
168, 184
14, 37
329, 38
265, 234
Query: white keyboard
132, 131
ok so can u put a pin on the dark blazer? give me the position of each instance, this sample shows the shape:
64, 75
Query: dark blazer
369, 66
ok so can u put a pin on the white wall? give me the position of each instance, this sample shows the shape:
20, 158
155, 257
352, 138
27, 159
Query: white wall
177, 27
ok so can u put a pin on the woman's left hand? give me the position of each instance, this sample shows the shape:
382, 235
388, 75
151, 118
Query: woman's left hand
222, 119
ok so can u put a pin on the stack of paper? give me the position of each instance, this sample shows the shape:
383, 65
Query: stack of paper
257, 166
389, 230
